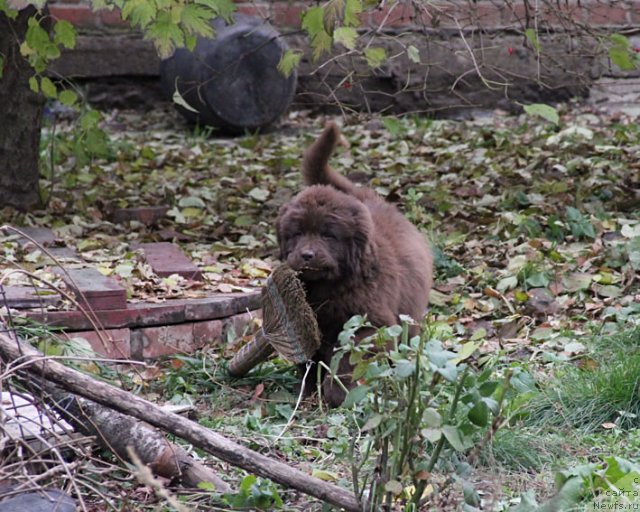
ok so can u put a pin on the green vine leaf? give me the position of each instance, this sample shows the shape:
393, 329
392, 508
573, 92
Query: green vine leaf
165, 34
375, 56
352, 11
139, 12
313, 24
346, 36
532, 36
48, 88
224, 8
288, 62
65, 34
620, 53
196, 20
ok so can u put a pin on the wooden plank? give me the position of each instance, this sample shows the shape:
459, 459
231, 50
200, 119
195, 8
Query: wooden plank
166, 258
95, 291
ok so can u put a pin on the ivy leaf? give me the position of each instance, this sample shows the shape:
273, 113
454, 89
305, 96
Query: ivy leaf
65, 34
346, 36
375, 56
197, 20
544, 111
289, 62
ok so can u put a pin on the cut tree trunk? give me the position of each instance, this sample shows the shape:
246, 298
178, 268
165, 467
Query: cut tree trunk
18, 353
21, 115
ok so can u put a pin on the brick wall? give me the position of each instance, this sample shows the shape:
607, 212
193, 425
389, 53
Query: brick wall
463, 44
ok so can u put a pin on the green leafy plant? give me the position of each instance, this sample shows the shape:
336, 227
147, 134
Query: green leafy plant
255, 493
415, 404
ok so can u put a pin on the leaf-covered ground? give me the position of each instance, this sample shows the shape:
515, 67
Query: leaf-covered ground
535, 227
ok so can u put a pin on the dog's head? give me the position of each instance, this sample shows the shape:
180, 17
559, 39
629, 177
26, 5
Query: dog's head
325, 234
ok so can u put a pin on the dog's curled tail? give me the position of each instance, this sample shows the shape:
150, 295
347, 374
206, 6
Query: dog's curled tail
315, 164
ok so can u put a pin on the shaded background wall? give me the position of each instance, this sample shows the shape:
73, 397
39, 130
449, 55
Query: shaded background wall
470, 54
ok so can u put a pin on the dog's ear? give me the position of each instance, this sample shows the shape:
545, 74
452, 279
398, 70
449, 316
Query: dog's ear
361, 255
279, 229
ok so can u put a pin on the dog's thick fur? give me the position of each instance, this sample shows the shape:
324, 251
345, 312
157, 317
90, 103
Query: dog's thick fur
356, 254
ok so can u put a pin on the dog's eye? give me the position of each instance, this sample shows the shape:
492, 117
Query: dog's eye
329, 236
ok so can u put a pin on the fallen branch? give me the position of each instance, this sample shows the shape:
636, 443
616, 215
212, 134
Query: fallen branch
209, 441
118, 433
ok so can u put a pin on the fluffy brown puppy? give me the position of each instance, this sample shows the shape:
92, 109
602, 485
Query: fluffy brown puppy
355, 253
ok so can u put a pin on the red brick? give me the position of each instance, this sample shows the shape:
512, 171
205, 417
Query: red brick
610, 13
395, 15
95, 291
208, 333
144, 214
111, 343
79, 15
111, 18
166, 340
166, 259
287, 15
241, 324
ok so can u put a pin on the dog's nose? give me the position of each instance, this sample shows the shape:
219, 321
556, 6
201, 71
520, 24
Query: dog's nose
307, 254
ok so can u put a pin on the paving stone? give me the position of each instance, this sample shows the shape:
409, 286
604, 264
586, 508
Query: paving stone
43, 236
166, 258
144, 314
110, 343
145, 214
95, 291
29, 297
221, 306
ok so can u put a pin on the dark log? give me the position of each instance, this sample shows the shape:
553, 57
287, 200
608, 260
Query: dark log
232, 80
15, 352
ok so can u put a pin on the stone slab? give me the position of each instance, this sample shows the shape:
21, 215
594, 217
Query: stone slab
95, 291
42, 236
145, 314
29, 297
147, 215
166, 259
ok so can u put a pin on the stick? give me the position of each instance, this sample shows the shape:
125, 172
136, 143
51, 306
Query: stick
213, 443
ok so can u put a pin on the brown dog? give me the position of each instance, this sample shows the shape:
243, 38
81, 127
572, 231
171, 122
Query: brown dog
356, 254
